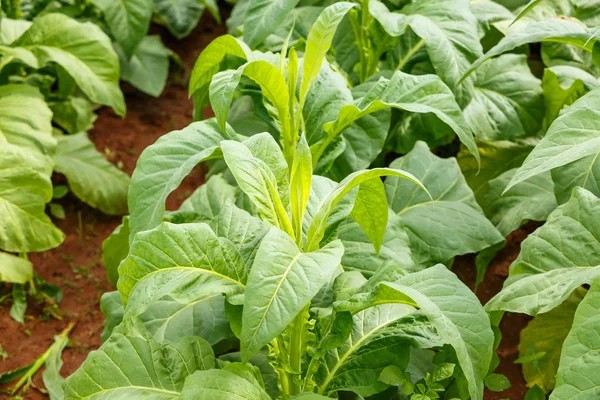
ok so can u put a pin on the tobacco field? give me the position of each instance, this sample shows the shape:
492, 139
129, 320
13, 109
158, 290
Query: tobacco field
300, 199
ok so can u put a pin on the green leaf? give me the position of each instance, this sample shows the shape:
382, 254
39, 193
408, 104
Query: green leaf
52, 379
221, 385
258, 181
449, 31
185, 262
162, 167
209, 199
535, 393
24, 191
318, 43
526, 9
542, 339
179, 16
112, 308
445, 224
577, 373
115, 249
15, 269
572, 136
19, 303
551, 30
262, 17
563, 85
148, 67
279, 286
556, 259
417, 94
25, 120
370, 211
531, 200
497, 382
208, 62
12, 29
272, 84
75, 47
128, 21
91, 177
508, 102
74, 115
496, 157
138, 367
300, 181
584, 173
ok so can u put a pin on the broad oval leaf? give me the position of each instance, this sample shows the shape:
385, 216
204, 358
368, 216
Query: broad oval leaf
281, 283
262, 17
163, 166
221, 385
179, 16
91, 177
15, 269
148, 67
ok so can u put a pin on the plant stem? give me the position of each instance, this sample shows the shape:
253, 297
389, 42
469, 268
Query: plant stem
296, 350
281, 352
409, 55
40, 361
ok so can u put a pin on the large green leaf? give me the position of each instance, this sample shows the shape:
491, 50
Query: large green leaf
185, 262
24, 191
136, 367
447, 224
577, 376
449, 31
91, 177
128, 21
179, 16
556, 259
281, 283
148, 67
572, 136
417, 94
546, 334
82, 50
208, 200
12, 29
262, 17
507, 102
162, 167
532, 200
551, 30
25, 120
15, 269
221, 385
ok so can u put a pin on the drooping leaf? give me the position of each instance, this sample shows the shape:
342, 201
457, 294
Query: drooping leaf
417, 94
74, 115
551, 30
75, 47
91, 177
555, 260
262, 17
531, 200
179, 16
162, 167
19, 303
507, 102
15, 269
12, 29
281, 283
449, 31
24, 191
577, 373
148, 67
138, 367
572, 136
51, 376
448, 223
128, 21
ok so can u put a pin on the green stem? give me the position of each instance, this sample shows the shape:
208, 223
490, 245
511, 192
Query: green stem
409, 55
365, 22
296, 351
281, 354
40, 361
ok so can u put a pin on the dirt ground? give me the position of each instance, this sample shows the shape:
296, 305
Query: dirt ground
76, 266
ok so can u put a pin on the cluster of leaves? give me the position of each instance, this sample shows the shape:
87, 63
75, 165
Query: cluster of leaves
330, 280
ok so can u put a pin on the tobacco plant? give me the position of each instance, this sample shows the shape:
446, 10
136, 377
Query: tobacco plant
313, 280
